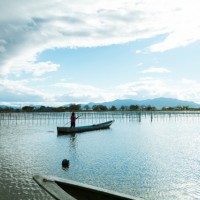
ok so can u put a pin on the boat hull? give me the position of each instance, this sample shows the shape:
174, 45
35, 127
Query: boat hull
64, 189
67, 130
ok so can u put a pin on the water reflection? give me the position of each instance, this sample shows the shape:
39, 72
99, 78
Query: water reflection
91, 117
72, 139
148, 155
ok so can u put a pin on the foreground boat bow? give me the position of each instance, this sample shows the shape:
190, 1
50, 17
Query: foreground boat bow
63, 189
68, 130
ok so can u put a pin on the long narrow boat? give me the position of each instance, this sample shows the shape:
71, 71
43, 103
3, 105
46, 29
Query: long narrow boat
63, 189
67, 130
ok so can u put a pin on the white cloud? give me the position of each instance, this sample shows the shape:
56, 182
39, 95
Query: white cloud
140, 64
41, 68
156, 70
30, 27
148, 87
19, 91
138, 51
144, 88
18, 66
180, 18
77, 92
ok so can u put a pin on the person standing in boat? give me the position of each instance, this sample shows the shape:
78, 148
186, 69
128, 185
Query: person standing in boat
73, 120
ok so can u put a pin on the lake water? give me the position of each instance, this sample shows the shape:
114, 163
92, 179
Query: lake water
153, 156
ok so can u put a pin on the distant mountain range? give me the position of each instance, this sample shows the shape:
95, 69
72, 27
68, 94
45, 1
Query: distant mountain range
157, 102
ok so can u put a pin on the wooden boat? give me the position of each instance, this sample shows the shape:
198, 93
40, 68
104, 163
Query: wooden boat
63, 189
67, 130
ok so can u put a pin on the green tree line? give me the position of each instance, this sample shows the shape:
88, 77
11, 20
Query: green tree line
78, 107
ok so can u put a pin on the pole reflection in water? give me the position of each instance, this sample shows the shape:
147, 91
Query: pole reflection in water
154, 155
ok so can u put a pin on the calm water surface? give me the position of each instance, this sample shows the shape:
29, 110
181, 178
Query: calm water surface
153, 156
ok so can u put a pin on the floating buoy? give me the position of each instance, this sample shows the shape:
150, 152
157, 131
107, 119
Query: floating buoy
65, 163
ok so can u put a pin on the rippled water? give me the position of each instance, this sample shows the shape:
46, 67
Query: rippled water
153, 156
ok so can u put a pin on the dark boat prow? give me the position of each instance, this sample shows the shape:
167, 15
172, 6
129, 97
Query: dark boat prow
68, 130
63, 189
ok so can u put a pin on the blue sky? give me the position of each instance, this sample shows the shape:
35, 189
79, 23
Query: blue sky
56, 52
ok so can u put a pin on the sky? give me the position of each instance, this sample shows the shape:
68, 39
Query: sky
55, 52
